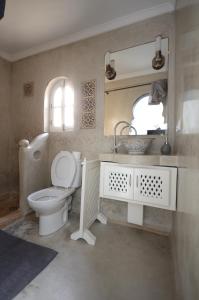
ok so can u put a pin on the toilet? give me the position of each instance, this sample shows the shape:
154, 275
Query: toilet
51, 204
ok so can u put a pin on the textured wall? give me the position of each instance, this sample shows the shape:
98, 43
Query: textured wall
80, 61
5, 127
186, 221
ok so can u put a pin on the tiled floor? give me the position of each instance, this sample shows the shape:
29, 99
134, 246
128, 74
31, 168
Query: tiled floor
9, 202
125, 264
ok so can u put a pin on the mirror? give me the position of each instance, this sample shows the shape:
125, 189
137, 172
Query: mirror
136, 92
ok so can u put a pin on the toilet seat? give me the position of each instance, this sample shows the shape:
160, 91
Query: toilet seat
51, 194
63, 169
49, 200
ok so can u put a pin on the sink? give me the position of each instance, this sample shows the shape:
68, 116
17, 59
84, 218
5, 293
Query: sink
138, 146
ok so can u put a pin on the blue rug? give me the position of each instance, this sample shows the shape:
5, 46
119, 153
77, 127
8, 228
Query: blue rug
20, 263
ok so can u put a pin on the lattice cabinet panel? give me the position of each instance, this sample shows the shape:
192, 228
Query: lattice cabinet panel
152, 186
117, 181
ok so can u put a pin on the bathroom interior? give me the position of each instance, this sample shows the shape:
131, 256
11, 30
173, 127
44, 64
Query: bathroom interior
99, 156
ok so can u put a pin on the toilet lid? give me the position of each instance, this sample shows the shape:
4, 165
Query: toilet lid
63, 169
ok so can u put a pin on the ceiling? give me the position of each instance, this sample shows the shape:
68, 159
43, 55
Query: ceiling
29, 27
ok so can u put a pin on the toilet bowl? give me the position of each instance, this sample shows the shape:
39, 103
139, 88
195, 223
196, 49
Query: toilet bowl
51, 204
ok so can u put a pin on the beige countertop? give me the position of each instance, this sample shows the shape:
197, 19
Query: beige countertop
158, 160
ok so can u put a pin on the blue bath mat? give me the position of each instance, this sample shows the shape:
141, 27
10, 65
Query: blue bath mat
20, 263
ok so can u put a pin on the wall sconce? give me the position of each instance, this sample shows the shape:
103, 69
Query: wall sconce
158, 61
110, 72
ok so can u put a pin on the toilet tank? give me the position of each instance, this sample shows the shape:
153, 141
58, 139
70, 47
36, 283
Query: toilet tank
78, 176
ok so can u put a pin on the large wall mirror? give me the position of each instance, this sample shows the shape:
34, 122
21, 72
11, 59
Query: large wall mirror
136, 92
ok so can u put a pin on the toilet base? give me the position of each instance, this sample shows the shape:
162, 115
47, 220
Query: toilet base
49, 224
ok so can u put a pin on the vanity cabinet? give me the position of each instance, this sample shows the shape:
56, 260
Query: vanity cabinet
145, 185
116, 181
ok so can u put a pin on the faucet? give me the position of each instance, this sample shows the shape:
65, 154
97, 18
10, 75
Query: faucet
130, 127
127, 125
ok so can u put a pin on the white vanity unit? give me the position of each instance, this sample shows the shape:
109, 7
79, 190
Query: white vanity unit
147, 184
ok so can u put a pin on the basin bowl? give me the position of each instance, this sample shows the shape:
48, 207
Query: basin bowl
138, 146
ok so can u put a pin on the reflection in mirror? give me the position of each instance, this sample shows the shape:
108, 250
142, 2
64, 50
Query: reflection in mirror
138, 94
154, 120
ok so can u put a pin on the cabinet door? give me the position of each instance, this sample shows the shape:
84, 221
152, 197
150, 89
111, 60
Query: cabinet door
117, 182
152, 186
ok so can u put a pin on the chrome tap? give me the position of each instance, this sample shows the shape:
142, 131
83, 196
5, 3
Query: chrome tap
127, 125
130, 127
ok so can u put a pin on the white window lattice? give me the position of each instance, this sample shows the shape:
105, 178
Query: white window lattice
59, 105
151, 186
118, 182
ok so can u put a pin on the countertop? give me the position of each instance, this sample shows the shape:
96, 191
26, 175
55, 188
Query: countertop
151, 160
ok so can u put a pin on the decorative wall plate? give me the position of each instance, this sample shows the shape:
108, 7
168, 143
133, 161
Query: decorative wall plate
88, 104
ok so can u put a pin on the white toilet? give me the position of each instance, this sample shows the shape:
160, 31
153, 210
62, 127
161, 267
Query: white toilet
51, 204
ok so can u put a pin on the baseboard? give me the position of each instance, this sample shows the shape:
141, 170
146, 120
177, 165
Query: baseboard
143, 227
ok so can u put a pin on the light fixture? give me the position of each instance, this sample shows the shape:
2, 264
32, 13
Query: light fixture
110, 72
2, 8
158, 61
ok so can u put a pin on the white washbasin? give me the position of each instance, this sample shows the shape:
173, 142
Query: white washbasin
138, 146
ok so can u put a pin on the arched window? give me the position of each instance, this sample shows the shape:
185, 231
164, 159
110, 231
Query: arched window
59, 106
148, 119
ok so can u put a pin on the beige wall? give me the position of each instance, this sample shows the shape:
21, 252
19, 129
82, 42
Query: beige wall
186, 221
5, 127
81, 61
